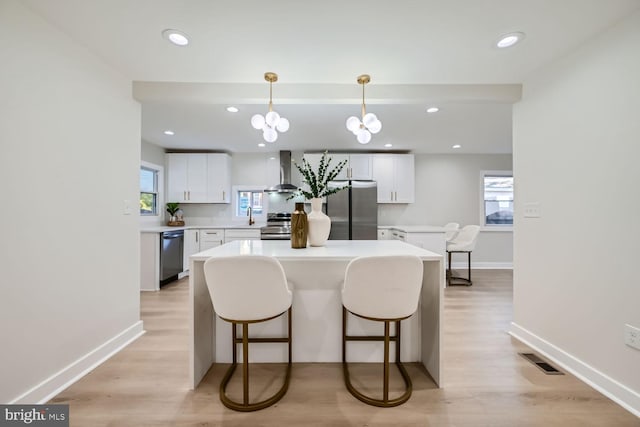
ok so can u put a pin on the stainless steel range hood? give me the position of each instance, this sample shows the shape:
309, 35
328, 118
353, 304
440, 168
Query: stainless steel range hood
285, 185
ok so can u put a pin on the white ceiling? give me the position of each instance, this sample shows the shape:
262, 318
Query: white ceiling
419, 53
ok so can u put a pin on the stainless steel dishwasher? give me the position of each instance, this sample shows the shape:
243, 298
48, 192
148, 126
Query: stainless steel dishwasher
171, 250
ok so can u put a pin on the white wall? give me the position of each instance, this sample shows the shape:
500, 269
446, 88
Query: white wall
448, 190
70, 141
576, 151
152, 153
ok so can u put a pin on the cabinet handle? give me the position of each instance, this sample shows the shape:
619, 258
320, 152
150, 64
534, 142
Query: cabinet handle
197, 236
224, 195
184, 195
391, 196
189, 195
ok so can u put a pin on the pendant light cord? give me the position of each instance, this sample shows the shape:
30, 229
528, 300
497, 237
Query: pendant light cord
364, 111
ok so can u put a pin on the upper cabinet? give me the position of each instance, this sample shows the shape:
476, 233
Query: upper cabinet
218, 178
198, 177
359, 166
395, 175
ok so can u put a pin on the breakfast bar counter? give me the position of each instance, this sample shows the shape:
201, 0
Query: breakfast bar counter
316, 275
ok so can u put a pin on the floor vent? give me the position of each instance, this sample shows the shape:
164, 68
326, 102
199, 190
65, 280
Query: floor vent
545, 367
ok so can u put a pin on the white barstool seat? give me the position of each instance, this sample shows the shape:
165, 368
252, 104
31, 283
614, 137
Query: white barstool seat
249, 289
451, 230
464, 242
383, 289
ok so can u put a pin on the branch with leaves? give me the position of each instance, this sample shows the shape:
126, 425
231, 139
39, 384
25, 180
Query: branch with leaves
317, 181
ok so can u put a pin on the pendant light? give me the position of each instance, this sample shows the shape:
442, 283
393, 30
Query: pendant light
271, 123
369, 124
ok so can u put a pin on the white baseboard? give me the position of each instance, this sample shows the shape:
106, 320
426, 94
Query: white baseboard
483, 265
59, 381
619, 393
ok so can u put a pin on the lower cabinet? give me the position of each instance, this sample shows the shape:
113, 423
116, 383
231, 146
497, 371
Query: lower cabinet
398, 235
200, 240
384, 234
434, 242
210, 238
149, 261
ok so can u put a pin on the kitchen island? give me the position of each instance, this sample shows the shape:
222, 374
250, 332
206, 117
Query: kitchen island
316, 275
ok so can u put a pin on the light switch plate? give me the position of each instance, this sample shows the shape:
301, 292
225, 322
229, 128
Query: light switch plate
532, 210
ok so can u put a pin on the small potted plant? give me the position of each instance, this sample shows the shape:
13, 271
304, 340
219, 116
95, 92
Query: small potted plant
318, 222
172, 209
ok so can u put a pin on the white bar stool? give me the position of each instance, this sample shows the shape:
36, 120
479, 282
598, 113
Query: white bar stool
382, 289
464, 242
451, 230
249, 289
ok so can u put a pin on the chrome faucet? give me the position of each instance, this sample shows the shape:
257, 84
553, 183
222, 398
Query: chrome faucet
249, 214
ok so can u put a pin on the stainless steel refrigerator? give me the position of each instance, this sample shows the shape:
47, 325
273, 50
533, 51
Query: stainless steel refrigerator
354, 211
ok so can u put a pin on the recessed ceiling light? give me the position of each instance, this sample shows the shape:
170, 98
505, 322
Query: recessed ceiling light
509, 40
457, 146
232, 109
261, 144
272, 158
169, 132
176, 37
388, 145
433, 110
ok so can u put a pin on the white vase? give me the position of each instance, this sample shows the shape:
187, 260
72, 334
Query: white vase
319, 224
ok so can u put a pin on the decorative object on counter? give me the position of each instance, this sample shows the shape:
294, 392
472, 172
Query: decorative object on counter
299, 227
271, 123
369, 124
173, 210
319, 224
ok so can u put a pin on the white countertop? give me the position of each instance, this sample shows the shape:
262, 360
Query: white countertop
333, 250
415, 228
163, 228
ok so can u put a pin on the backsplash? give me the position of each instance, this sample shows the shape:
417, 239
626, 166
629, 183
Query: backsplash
213, 214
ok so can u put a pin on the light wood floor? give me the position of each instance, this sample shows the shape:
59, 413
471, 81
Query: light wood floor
488, 383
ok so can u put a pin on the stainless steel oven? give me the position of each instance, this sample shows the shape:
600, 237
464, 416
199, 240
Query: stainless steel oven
278, 227
171, 252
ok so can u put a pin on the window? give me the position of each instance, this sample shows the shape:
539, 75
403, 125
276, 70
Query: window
251, 199
497, 199
245, 196
148, 191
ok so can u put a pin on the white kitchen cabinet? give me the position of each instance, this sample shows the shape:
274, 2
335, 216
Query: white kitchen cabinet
218, 178
186, 178
395, 175
150, 261
231, 234
199, 177
210, 238
398, 235
434, 242
359, 166
384, 234
191, 246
